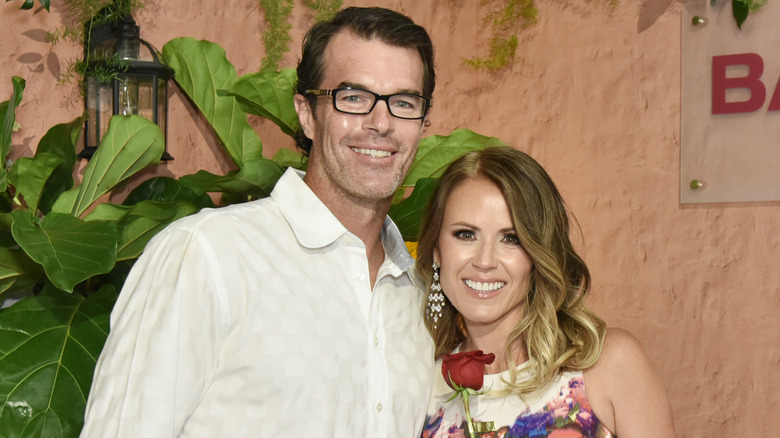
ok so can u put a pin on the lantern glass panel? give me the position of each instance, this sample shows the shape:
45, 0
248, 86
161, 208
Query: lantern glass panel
145, 99
100, 108
128, 95
162, 105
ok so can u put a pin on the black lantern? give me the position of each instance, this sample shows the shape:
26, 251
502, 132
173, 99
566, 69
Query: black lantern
139, 85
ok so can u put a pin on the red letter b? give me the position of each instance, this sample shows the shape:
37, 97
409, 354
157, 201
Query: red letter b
720, 83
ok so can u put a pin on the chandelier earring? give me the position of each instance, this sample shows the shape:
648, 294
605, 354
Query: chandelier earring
435, 299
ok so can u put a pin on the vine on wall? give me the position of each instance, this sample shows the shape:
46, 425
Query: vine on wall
323, 9
276, 37
513, 14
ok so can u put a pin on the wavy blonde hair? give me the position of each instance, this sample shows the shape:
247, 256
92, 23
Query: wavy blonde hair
560, 333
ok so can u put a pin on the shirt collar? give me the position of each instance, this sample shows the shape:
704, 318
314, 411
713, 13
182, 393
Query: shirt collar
395, 248
311, 221
303, 209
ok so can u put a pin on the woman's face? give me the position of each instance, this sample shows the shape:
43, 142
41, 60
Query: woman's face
484, 270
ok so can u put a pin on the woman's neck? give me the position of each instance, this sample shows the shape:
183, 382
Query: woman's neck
492, 338
497, 347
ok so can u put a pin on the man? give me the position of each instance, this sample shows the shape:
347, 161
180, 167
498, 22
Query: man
295, 315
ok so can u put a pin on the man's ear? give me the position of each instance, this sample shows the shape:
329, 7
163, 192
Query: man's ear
305, 114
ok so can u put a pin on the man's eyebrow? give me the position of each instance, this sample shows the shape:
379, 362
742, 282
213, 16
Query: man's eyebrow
364, 87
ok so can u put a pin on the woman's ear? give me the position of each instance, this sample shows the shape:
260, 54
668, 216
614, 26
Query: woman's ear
436, 258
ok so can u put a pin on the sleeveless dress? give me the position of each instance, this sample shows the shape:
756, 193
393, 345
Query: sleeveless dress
561, 411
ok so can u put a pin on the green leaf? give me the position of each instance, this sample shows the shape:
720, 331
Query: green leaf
143, 221
17, 271
6, 239
255, 180
70, 249
740, 8
3, 179
28, 4
437, 152
8, 117
202, 70
60, 140
269, 94
130, 144
407, 214
29, 176
49, 345
204, 181
289, 158
107, 212
166, 189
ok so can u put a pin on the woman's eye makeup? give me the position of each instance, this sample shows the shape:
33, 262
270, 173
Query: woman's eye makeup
463, 234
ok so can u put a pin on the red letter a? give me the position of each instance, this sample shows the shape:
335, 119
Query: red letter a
774, 104
720, 83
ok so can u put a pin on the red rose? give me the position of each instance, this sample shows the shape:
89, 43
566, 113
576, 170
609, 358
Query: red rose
467, 370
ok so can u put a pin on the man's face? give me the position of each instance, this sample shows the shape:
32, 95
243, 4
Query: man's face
363, 157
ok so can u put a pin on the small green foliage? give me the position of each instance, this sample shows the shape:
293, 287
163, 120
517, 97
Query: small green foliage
741, 9
514, 12
277, 37
323, 9
502, 52
755, 5
104, 69
513, 15
83, 15
28, 4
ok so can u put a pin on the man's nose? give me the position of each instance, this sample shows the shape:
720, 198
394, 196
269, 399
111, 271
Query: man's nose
379, 119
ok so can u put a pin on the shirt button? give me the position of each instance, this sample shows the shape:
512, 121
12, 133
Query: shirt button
379, 407
361, 278
376, 341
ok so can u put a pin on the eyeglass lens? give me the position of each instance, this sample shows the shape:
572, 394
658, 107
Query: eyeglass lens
357, 101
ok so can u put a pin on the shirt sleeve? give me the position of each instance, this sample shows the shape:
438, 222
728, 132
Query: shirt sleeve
166, 332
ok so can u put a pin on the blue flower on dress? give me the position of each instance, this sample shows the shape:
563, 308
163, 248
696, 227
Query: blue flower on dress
531, 425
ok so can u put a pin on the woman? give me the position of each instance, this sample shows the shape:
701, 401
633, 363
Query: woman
504, 278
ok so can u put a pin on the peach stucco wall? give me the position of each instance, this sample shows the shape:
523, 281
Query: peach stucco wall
595, 96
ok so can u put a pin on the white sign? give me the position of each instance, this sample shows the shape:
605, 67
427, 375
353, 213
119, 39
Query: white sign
730, 127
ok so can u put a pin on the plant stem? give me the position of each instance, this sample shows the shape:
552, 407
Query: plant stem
469, 423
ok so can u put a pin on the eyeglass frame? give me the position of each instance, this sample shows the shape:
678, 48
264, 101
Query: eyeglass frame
377, 97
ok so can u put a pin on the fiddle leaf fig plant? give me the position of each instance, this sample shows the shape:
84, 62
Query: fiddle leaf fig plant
203, 72
63, 260
67, 250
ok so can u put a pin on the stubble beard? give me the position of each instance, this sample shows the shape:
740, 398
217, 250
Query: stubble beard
354, 185
352, 180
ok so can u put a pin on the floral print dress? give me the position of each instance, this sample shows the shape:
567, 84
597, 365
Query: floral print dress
561, 411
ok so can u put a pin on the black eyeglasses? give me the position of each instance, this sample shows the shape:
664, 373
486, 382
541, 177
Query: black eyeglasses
358, 101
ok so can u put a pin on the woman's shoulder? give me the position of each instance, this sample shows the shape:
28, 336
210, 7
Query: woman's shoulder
624, 387
622, 357
620, 346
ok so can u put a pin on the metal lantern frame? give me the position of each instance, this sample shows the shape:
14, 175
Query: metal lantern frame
139, 83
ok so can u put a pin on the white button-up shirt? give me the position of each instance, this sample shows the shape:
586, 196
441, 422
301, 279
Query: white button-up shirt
259, 320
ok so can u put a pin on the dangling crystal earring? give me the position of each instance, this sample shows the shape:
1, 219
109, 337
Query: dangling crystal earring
435, 298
